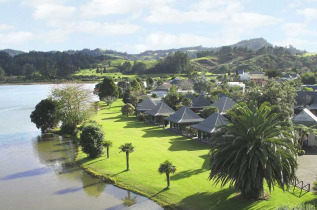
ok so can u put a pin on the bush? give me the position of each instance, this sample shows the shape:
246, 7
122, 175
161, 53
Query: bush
154, 95
68, 128
141, 117
91, 140
301, 152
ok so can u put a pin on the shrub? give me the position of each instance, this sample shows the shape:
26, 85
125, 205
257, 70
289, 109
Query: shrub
68, 128
91, 140
141, 117
127, 109
154, 95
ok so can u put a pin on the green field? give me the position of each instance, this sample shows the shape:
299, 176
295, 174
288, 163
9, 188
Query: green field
205, 58
308, 54
190, 187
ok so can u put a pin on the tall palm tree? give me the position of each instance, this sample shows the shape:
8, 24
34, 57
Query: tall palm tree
253, 148
167, 168
107, 144
127, 148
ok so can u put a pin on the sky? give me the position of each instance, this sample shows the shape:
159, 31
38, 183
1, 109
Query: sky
134, 26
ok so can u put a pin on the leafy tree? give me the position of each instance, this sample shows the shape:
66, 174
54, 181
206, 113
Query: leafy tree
135, 85
127, 148
91, 140
172, 98
126, 67
273, 73
255, 146
154, 95
149, 82
127, 109
202, 86
108, 88
109, 100
139, 67
308, 78
167, 168
75, 104
45, 115
107, 144
187, 102
209, 111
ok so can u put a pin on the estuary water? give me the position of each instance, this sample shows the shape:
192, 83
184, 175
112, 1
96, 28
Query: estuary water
38, 172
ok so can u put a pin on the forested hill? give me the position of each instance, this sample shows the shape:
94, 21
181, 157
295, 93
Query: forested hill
12, 52
252, 44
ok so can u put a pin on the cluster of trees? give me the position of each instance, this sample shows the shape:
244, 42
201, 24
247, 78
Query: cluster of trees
45, 64
69, 104
175, 63
138, 67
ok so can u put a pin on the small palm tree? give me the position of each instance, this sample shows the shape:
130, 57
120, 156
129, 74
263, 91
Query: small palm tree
107, 144
167, 168
127, 148
256, 146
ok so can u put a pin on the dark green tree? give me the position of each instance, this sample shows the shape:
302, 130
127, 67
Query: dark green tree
108, 88
45, 115
91, 140
256, 146
127, 109
209, 111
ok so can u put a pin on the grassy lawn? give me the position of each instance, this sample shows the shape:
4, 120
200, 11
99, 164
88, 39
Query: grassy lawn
190, 187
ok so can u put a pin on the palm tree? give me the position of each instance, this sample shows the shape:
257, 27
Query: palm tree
127, 148
107, 144
255, 146
167, 168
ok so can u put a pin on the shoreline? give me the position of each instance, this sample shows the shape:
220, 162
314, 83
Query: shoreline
46, 83
115, 182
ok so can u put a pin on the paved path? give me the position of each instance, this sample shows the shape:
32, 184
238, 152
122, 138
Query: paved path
307, 166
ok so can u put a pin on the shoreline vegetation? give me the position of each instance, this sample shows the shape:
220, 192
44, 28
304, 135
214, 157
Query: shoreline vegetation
190, 187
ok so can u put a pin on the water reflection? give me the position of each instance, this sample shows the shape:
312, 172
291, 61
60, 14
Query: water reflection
58, 154
128, 200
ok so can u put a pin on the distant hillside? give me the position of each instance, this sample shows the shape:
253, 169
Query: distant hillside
12, 52
252, 44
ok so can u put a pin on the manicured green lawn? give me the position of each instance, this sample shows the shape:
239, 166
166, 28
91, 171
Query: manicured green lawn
190, 187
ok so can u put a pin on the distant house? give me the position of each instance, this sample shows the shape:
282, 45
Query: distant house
160, 111
238, 72
224, 104
239, 84
146, 105
182, 118
200, 103
175, 81
162, 90
258, 77
307, 118
244, 77
305, 99
209, 125
289, 77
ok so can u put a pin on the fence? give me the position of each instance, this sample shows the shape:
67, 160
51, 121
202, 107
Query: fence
301, 185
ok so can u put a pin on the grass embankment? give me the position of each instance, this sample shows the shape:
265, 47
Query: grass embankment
190, 188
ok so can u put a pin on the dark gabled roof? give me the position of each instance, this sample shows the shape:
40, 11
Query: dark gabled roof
164, 87
305, 98
190, 96
211, 123
305, 117
161, 109
145, 105
224, 104
201, 102
184, 115
220, 95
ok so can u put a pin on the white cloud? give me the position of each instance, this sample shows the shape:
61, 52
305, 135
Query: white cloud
161, 40
95, 8
6, 27
309, 13
101, 28
15, 38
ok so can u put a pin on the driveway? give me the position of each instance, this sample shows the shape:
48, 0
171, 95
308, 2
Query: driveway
307, 166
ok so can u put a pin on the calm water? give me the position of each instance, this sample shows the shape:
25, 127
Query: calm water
37, 172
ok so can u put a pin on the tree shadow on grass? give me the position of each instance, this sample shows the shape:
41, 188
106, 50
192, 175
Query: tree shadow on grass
206, 163
179, 144
119, 173
187, 173
159, 192
155, 132
216, 200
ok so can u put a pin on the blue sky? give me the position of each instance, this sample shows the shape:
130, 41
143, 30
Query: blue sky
138, 25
